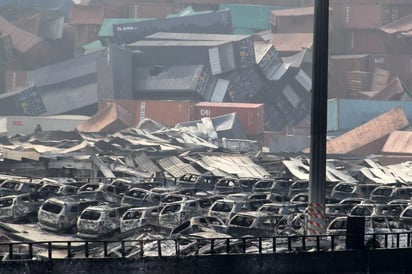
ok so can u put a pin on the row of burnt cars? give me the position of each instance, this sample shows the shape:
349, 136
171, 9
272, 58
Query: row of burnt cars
195, 204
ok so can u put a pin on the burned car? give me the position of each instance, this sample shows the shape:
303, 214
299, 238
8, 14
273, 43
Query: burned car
100, 221
60, 214
253, 223
18, 208
136, 218
199, 224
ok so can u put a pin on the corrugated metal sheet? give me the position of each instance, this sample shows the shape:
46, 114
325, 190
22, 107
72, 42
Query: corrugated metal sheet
375, 129
226, 165
297, 168
109, 119
398, 142
143, 162
292, 42
345, 114
215, 22
22, 40
176, 167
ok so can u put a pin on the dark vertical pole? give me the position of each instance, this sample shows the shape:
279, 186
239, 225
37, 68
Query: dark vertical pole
319, 111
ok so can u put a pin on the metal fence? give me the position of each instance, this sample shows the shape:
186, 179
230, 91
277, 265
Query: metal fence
198, 247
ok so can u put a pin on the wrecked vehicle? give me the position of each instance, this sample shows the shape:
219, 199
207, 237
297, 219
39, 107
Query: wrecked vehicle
253, 223
225, 208
99, 221
10, 187
199, 224
102, 191
175, 213
60, 214
49, 190
280, 187
139, 197
139, 217
204, 181
21, 207
227, 186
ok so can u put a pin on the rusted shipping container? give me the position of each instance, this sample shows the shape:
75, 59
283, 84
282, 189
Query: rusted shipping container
251, 116
368, 14
168, 113
374, 130
153, 10
297, 20
94, 14
345, 63
365, 41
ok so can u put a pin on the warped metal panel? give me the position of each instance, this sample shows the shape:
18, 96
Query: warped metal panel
176, 167
398, 142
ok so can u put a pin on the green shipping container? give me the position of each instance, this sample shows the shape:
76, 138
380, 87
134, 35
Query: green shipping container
250, 17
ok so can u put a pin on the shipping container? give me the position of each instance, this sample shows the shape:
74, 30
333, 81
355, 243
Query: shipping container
219, 55
251, 116
270, 62
296, 20
243, 45
114, 73
106, 29
365, 41
153, 10
371, 133
23, 102
398, 65
359, 80
174, 82
252, 17
244, 84
15, 79
360, 16
94, 14
168, 113
27, 125
216, 22
346, 114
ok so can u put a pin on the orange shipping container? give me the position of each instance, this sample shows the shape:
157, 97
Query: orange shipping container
168, 113
251, 116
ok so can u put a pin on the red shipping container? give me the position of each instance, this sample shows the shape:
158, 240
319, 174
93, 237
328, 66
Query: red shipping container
251, 116
168, 113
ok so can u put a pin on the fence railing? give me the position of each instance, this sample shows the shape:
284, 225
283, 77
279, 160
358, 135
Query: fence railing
186, 246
